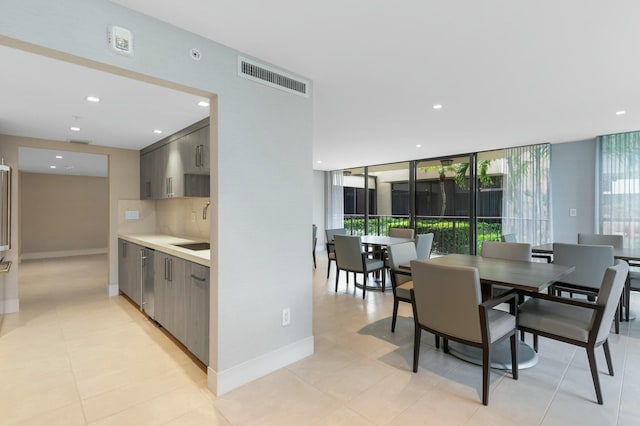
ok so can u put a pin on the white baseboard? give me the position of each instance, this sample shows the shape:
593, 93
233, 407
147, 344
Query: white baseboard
9, 306
222, 382
62, 253
114, 290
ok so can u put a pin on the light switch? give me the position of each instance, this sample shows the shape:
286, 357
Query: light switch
573, 212
131, 215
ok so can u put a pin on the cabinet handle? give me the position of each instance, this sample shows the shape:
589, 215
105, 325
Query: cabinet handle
197, 155
124, 249
171, 270
166, 269
142, 258
169, 187
198, 278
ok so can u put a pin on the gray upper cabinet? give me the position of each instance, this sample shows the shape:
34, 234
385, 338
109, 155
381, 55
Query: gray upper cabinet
194, 150
177, 166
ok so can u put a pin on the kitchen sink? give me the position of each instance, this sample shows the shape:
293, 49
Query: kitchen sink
194, 246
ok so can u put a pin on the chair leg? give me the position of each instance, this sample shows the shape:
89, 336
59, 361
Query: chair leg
522, 335
607, 355
591, 354
514, 356
365, 281
328, 268
437, 342
337, 277
395, 315
314, 260
417, 334
486, 360
535, 343
627, 298
445, 345
617, 318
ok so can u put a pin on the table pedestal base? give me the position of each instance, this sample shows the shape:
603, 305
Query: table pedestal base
500, 354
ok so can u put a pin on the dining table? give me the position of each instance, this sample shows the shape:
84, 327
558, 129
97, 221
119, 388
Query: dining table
524, 277
628, 254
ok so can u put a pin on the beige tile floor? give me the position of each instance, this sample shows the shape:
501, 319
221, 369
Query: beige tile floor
73, 356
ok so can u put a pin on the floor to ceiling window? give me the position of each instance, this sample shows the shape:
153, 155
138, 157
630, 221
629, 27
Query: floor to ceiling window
619, 186
463, 200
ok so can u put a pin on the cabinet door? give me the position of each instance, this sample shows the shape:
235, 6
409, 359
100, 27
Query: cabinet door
169, 295
174, 177
202, 137
123, 266
198, 311
146, 176
129, 269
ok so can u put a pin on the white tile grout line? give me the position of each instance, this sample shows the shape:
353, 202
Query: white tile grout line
564, 373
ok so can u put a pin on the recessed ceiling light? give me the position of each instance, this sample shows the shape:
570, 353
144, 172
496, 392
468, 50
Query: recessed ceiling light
58, 156
92, 99
319, 162
157, 132
75, 129
437, 106
203, 103
52, 167
621, 112
418, 146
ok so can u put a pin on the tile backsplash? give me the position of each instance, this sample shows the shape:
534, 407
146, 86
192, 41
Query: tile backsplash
183, 217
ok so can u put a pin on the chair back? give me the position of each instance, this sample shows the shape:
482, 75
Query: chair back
423, 245
401, 232
348, 252
446, 299
590, 261
399, 254
329, 234
509, 251
314, 239
617, 241
509, 238
609, 294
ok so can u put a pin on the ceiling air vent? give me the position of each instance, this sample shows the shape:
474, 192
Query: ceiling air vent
271, 77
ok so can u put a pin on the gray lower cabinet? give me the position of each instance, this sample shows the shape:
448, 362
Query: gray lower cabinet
170, 296
198, 311
129, 269
179, 295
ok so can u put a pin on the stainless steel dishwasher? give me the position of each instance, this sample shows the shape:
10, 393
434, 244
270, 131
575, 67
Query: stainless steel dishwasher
147, 287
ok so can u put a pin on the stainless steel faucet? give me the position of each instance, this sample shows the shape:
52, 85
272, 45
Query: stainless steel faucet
204, 210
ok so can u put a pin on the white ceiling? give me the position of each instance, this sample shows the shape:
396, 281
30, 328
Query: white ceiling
47, 104
34, 160
506, 72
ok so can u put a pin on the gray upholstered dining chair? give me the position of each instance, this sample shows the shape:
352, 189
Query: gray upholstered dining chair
590, 261
509, 238
579, 323
331, 254
423, 245
314, 241
401, 282
401, 232
351, 258
447, 302
616, 241
509, 251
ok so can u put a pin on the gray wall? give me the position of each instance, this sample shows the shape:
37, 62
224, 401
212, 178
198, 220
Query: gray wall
573, 187
254, 187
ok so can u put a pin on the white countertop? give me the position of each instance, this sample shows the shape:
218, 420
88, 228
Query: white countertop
164, 243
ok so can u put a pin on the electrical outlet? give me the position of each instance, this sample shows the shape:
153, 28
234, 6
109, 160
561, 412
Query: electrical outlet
286, 317
573, 212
